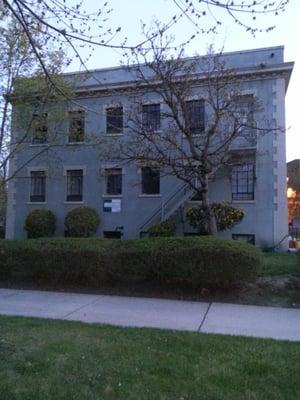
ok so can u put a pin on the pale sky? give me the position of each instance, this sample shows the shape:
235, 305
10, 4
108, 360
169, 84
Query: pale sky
129, 14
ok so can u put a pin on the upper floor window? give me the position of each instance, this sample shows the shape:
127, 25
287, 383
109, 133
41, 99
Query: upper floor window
114, 120
244, 112
195, 116
76, 126
37, 186
113, 181
39, 128
242, 182
151, 117
150, 180
74, 185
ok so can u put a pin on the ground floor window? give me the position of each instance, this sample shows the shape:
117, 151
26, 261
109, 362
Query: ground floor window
150, 181
242, 182
37, 186
112, 234
74, 184
113, 181
248, 238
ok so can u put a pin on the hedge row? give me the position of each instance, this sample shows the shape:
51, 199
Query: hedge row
193, 261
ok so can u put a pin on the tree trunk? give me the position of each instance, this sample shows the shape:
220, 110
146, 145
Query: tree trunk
211, 220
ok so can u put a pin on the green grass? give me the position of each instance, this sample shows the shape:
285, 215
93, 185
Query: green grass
59, 360
275, 264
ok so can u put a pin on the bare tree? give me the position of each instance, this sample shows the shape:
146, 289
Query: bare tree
24, 84
203, 115
246, 14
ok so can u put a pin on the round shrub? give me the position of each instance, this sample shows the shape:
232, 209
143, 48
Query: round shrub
82, 222
40, 223
226, 216
165, 228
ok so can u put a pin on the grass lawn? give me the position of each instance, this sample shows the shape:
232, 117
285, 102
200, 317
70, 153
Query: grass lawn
47, 359
275, 264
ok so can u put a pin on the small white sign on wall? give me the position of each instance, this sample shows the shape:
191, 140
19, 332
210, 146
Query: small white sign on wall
112, 205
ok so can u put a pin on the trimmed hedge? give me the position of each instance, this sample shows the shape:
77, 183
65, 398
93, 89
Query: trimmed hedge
193, 262
82, 222
40, 223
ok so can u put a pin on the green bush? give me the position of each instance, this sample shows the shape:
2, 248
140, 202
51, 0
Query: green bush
180, 261
298, 255
164, 229
40, 223
82, 222
226, 216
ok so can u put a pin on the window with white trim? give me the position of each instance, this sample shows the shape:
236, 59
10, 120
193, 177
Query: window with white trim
39, 128
195, 116
113, 178
74, 185
114, 120
242, 182
76, 126
151, 117
150, 180
37, 186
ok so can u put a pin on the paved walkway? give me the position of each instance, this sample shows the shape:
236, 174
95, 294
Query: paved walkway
231, 319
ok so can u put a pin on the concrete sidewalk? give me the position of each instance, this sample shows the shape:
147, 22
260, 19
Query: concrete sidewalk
231, 319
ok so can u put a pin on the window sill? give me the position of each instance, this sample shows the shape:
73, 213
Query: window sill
112, 195
149, 195
243, 201
74, 143
73, 202
114, 134
36, 202
152, 131
38, 144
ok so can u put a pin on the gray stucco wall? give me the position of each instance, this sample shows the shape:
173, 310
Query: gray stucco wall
265, 217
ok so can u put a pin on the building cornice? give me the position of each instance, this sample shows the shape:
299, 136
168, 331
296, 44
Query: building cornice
261, 71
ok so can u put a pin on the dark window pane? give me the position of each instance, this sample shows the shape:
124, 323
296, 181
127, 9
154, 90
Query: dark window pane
150, 181
114, 181
38, 186
74, 185
39, 128
244, 238
76, 126
151, 117
195, 117
112, 234
114, 120
242, 182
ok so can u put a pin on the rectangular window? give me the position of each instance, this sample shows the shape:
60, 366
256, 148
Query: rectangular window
114, 120
248, 238
39, 128
37, 186
74, 184
112, 234
113, 181
76, 126
151, 117
150, 181
242, 182
195, 116
244, 107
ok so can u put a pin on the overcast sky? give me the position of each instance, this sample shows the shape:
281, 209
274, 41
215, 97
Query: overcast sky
129, 14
